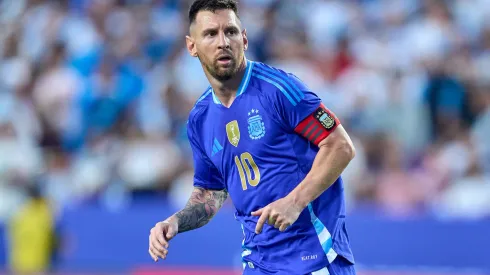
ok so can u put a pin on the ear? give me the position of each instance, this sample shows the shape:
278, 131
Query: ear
191, 46
245, 39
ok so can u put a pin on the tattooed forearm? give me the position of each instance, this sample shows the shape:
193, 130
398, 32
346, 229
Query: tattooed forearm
201, 207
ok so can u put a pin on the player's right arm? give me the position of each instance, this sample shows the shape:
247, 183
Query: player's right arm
201, 207
199, 210
206, 199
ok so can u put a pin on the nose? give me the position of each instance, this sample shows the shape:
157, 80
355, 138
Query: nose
224, 42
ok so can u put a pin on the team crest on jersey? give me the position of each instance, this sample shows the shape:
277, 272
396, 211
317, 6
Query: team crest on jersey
256, 127
233, 132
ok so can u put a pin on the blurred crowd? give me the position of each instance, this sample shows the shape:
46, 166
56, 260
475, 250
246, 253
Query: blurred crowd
95, 94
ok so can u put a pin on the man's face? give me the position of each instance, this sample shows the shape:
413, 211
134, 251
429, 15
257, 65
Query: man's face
219, 42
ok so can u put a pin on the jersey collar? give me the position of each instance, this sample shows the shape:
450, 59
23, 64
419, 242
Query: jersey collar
243, 85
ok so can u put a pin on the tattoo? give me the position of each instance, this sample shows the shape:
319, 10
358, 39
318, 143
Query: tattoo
201, 207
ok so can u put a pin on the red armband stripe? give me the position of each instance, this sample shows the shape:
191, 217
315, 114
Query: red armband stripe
321, 133
303, 127
311, 130
318, 125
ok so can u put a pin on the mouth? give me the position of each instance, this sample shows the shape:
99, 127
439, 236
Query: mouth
224, 59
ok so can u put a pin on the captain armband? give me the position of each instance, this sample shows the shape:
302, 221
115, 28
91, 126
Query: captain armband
319, 125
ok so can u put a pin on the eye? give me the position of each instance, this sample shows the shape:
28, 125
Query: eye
232, 32
211, 33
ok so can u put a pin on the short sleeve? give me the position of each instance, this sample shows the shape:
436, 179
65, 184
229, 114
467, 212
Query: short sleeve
206, 175
295, 106
294, 101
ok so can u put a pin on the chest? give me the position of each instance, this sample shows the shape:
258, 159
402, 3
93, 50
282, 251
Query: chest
251, 151
249, 132
250, 129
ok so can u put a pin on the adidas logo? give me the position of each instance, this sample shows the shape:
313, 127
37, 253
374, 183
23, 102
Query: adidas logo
216, 147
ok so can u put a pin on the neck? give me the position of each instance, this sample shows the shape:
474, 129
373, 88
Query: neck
226, 90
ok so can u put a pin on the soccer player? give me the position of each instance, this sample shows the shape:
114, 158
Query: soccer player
263, 137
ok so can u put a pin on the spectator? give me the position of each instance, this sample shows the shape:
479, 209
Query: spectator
94, 95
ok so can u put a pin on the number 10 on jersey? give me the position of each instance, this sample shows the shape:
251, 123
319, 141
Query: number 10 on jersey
244, 163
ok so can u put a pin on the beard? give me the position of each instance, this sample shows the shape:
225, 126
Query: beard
219, 72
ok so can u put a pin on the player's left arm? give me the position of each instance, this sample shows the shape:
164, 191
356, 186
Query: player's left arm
336, 150
309, 118
335, 153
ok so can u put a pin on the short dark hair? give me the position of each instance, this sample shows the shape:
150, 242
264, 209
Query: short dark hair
211, 5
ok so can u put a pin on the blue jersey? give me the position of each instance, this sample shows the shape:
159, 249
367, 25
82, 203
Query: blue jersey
251, 149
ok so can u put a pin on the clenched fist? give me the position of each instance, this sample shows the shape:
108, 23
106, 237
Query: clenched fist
160, 235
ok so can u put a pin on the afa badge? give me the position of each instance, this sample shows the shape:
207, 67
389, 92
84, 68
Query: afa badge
327, 121
256, 127
233, 132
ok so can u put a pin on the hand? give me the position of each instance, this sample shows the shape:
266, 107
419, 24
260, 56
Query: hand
280, 214
160, 235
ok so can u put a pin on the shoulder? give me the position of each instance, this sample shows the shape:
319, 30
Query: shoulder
277, 84
200, 106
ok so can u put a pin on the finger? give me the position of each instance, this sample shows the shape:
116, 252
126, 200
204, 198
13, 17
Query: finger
164, 255
150, 240
157, 245
258, 212
273, 217
159, 232
260, 223
161, 240
277, 224
157, 253
279, 221
153, 256
283, 227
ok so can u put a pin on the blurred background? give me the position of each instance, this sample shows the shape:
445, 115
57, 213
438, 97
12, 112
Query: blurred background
94, 97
